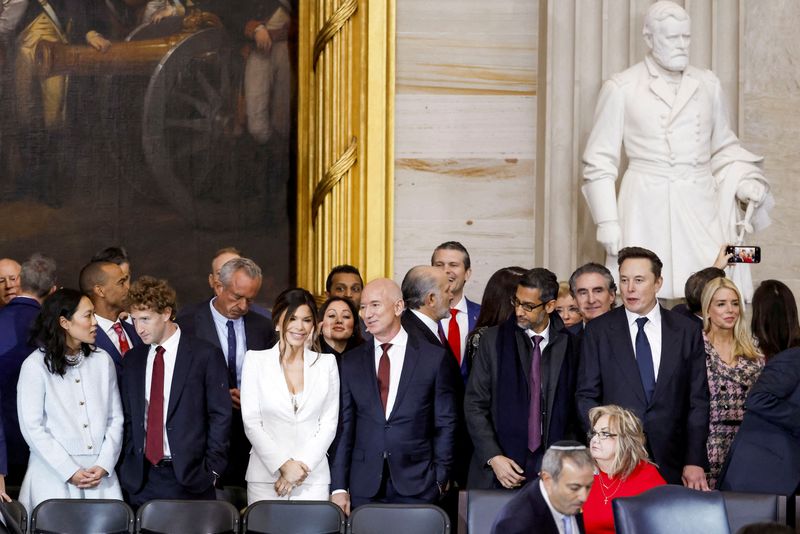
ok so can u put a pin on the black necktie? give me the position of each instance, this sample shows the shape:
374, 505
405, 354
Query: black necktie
644, 359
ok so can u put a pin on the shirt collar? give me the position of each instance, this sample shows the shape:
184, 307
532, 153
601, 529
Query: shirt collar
556, 514
546, 334
400, 339
432, 325
653, 316
171, 343
462, 304
105, 324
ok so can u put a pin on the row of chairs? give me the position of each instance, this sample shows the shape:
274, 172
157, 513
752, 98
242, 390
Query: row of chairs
661, 510
77, 516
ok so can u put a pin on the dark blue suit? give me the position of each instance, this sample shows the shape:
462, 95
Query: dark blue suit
415, 443
765, 456
528, 513
198, 417
259, 334
102, 341
473, 311
16, 320
676, 419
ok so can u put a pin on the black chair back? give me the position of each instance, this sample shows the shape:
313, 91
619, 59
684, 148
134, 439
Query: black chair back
82, 516
747, 508
293, 517
181, 517
477, 509
669, 510
398, 519
15, 514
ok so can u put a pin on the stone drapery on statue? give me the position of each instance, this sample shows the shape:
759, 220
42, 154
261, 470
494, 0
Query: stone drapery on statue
688, 178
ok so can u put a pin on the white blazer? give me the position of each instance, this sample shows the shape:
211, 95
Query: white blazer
278, 433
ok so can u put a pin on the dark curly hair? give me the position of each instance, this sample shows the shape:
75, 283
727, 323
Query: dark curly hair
152, 293
48, 334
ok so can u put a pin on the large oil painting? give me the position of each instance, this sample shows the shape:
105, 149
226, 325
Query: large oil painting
165, 126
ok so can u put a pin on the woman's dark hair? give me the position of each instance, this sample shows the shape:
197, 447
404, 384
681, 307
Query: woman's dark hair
775, 322
288, 302
355, 338
496, 302
47, 333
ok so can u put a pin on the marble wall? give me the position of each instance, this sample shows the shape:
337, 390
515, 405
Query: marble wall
495, 101
465, 132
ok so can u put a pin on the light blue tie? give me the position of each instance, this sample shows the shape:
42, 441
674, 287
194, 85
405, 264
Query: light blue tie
567, 520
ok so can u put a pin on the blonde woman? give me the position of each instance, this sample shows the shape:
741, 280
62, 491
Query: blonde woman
624, 469
290, 407
733, 364
567, 306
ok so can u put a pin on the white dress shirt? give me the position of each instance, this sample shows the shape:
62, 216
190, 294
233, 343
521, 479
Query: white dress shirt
558, 516
462, 317
545, 336
432, 325
221, 324
108, 327
653, 330
170, 353
397, 355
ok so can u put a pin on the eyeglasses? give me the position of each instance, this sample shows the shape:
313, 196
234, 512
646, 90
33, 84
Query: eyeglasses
527, 306
602, 435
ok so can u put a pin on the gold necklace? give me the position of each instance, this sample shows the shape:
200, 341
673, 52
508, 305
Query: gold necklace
603, 488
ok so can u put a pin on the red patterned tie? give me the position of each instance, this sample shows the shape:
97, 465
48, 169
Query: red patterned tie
154, 442
454, 335
123, 341
383, 375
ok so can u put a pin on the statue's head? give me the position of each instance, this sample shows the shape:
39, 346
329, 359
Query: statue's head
667, 32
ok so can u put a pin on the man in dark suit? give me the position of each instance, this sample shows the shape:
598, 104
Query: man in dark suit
107, 287
594, 290
427, 297
37, 281
227, 322
520, 394
9, 280
552, 503
693, 291
398, 412
452, 257
176, 404
650, 360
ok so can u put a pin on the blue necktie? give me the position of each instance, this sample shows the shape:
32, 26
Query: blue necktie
644, 359
567, 521
231, 355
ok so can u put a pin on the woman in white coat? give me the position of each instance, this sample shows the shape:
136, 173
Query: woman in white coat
290, 407
69, 407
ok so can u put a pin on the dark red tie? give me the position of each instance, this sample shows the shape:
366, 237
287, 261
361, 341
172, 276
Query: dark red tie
154, 443
123, 341
383, 375
454, 335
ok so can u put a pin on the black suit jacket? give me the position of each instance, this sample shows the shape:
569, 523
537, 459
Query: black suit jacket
416, 328
104, 342
416, 441
528, 513
197, 322
676, 420
765, 456
198, 415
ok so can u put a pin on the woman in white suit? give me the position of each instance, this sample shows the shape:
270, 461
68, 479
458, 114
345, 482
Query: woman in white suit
69, 407
290, 407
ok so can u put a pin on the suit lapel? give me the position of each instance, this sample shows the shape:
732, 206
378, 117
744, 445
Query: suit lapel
623, 353
661, 89
104, 342
686, 89
310, 376
250, 332
183, 361
409, 364
670, 359
204, 325
130, 331
371, 373
138, 373
524, 353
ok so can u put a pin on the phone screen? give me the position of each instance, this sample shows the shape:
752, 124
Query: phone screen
744, 254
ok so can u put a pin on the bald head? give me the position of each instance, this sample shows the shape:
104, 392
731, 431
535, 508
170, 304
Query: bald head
9, 280
428, 290
222, 257
381, 306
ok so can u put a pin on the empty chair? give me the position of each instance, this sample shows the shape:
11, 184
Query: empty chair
671, 509
747, 508
399, 519
477, 509
183, 517
82, 516
293, 517
14, 511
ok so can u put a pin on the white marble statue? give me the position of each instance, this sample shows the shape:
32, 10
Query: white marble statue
688, 182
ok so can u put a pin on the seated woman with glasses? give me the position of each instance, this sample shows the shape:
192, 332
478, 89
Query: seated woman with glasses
617, 444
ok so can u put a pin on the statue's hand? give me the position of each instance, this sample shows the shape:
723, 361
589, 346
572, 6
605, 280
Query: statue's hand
609, 235
751, 190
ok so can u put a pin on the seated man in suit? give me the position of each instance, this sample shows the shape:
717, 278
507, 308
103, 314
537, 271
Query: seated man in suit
227, 322
176, 404
398, 412
520, 392
552, 504
651, 361
107, 287
37, 282
452, 258
427, 296
593, 287
9, 280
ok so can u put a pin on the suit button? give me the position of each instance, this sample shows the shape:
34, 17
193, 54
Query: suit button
85, 425
89, 447
77, 380
81, 403
140, 450
387, 427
